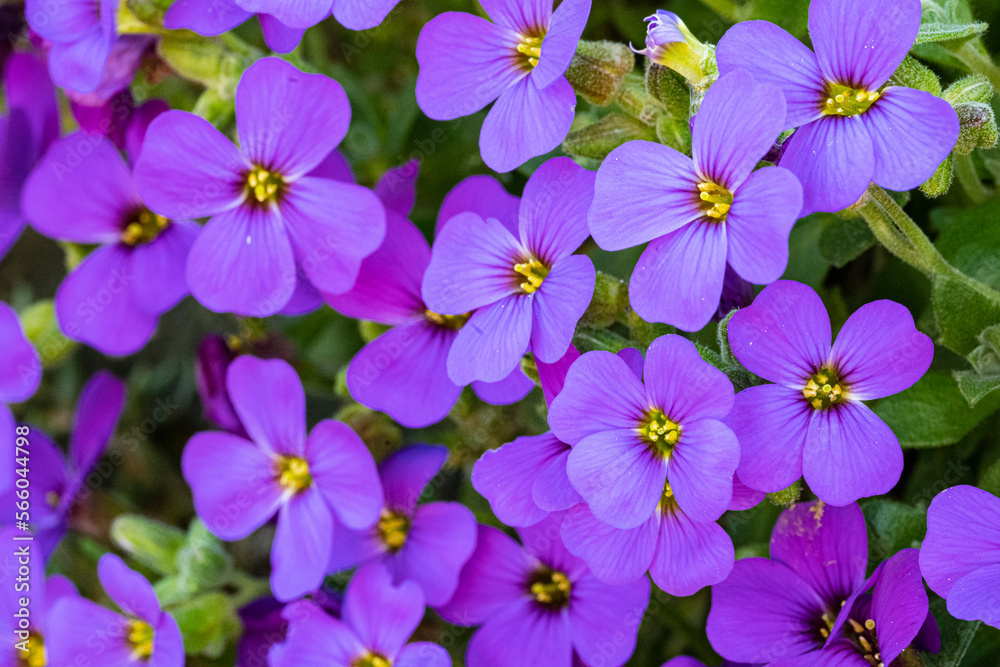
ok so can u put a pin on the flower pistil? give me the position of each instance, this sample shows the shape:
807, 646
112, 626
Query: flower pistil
534, 272
264, 186
393, 529
659, 431
824, 389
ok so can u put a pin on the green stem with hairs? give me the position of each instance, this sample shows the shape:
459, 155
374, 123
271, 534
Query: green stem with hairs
978, 62
965, 172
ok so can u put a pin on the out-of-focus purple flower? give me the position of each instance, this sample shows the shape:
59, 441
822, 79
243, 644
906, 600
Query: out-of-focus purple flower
143, 633
375, 624
81, 34
31, 124
686, 661
270, 217
427, 544
544, 595
851, 130
630, 439
404, 371
219, 16
239, 483
518, 60
812, 421
120, 69
57, 483
20, 367
82, 191
120, 120
264, 626
526, 288
671, 44
214, 357
702, 214
960, 557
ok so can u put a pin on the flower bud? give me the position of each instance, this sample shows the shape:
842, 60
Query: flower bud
786, 497
670, 88
598, 70
978, 127
209, 623
152, 543
610, 300
42, 329
671, 44
940, 181
203, 563
973, 88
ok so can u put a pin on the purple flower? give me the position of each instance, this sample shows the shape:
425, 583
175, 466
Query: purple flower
426, 544
669, 42
20, 367
806, 606
120, 68
269, 216
56, 484
526, 287
143, 633
960, 557
264, 626
851, 130
239, 483
120, 120
704, 213
813, 421
31, 124
219, 16
376, 622
81, 34
505, 62
546, 597
211, 366
629, 439
685, 661
82, 191
404, 371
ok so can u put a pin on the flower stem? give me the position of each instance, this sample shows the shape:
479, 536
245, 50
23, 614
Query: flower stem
965, 171
724, 8
978, 63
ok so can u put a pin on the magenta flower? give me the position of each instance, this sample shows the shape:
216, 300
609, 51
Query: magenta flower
30, 126
686, 661
631, 439
376, 621
113, 299
264, 625
269, 216
404, 371
703, 213
240, 483
20, 367
545, 596
960, 557
525, 288
505, 62
81, 34
427, 544
851, 129
142, 633
812, 421
120, 120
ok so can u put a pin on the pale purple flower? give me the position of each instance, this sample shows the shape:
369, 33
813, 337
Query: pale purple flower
704, 214
81, 34
813, 421
519, 60
852, 130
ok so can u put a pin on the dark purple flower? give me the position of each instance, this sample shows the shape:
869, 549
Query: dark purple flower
505, 62
120, 69
960, 557
404, 371
264, 626
142, 634
701, 214
120, 120
31, 124
20, 367
427, 544
270, 216
239, 483
813, 420
851, 129
545, 597
211, 366
376, 622
526, 288
629, 439
82, 191
685, 661
81, 34
57, 483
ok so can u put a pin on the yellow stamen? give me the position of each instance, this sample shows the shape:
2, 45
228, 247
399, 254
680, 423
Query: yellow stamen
35, 657
143, 226
140, 638
824, 389
371, 660
264, 186
531, 48
551, 588
293, 473
846, 101
447, 321
660, 432
534, 273
717, 200
393, 529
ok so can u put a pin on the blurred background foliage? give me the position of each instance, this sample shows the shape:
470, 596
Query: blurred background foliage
947, 441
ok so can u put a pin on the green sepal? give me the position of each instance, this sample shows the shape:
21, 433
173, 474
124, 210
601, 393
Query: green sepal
609, 301
215, 62
786, 497
670, 88
208, 624
150, 542
598, 139
972, 88
636, 102
940, 181
978, 127
203, 563
218, 110
598, 70
674, 132
913, 74
139, 17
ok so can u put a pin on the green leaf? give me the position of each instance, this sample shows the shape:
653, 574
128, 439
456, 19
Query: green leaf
973, 88
956, 636
947, 32
892, 527
990, 479
213, 62
597, 140
976, 387
208, 623
962, 312
586, 339
913, 74
933, 412
843, 239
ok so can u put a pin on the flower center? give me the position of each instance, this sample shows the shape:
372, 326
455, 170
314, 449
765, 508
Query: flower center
534, 273
659, 432
393, 529
667, 501
52, 499
370, 659
140, 638
447, 321
716, 198
846, 101
824, 389
550, 588
143, 226
293, 473
264, 186
864, 639
35, 657
531, 48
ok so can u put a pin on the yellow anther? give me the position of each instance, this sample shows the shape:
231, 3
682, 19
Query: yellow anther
531, 48
716, 198
857, 627
865, 644
824, 389
140, 638
264, 186
534, 273
846, 101
371, 660
143, 226
870, 624
551, 588
447, 321
293, 473
393, 529
659, 431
